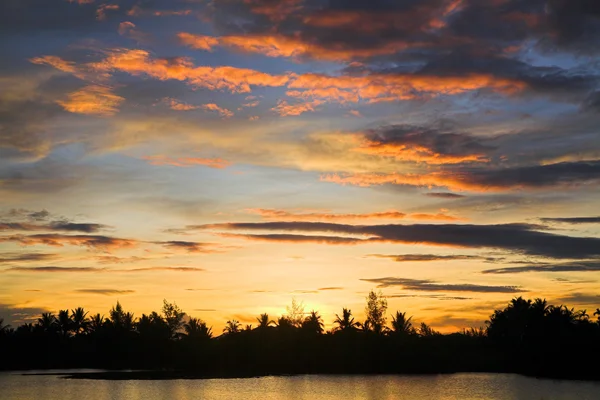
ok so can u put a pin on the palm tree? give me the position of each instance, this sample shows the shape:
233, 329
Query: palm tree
313, 323
96, 323
195, 328
284, 323
427, 331
3, 328
345, 323
47, 323
80, 321
264, 321
597, 313
64, 323
232, 326
401, 325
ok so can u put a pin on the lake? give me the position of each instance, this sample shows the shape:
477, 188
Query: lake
14, 386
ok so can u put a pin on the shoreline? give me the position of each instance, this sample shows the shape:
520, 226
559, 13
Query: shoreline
151, 375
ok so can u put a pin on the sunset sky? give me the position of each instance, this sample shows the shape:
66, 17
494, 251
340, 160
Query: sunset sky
230, 155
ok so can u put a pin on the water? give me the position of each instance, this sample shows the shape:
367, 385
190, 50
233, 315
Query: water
435, 387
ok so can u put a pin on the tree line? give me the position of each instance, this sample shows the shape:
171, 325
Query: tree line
527, 336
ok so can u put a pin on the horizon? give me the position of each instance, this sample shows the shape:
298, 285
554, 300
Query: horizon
230, 156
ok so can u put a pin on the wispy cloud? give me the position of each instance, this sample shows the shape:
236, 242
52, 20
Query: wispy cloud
517, 238
573, 220
432, 286
187, 161
575, 266
105, 292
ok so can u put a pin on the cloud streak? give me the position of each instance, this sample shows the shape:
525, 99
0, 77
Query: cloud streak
432, 286
517, 238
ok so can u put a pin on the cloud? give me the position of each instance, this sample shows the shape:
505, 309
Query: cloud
517, 238
190, 247
93, 100
283, 215
218, 163
566, 174
167, 269
575, 266
25, 257
63, 226
225, 113
97, 242
139, 62
580, 298
443, 195
56, 269
573, 220
423, 145
432, 286
16, 315
105, 292
428, 296
286, 238
330, 288
427, 257
103, 270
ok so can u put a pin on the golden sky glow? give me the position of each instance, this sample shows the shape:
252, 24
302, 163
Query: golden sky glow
233, 155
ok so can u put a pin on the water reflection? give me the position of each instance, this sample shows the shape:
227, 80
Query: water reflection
438, 387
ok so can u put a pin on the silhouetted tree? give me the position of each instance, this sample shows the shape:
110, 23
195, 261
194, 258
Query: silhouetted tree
284, 324
232, 326
402, 326
313, 323
295, 313
195, 328
427, 331
96, 323
47, 323
264, 321
79, 321
345, 323
375, 310
174, 317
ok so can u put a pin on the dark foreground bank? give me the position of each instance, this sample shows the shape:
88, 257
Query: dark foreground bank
527, 337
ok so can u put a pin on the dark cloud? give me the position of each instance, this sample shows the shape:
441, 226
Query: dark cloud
576, 266
93, 241
432, 286
443, 195
167, 269
331, 288
25, 257
190, 247
56, 269
429, 257
286, 238
428, 296
573, 220
105, 292
518, 238
76, 227
581, 298
15, 316
61, 226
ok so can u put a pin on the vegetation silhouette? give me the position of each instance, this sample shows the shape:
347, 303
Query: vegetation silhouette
527, 336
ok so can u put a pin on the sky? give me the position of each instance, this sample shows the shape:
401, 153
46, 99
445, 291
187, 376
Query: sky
232, 155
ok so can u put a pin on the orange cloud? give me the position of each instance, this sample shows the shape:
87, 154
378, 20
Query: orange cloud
213, 107
137, 11
281, 215
452, 181
285, 109
187, 161
93, 100
139, 62
103, 8
199, 42
384, 87
415, 153
276, 11
276, 45
97, 242
179, 106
